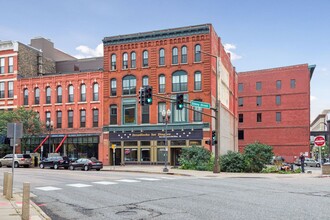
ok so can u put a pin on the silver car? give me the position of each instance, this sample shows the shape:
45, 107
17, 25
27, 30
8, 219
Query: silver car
19, 160
311, 163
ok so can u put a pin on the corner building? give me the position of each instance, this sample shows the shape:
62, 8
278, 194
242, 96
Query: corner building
172, 61
274, 109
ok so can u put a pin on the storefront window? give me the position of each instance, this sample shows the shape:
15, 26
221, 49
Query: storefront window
130, 154
145, 143
145, 154
178, 143
161, 154
195, 143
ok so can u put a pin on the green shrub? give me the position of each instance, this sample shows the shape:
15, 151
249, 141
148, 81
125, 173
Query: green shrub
232, 162
270, 169
195, 158
257, 155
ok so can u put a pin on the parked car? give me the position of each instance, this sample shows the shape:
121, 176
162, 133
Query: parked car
54, 162
86, 164
308, 162
24, 160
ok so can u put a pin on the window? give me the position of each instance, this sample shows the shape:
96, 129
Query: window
184, 54
10, 64
82, 118
113, 85
278, 100
240, 87
179, 81
48, 117
113, 114
278, 84
240, 102
198, 81
240, 134
161, 57
59, 94
240, 118
95, 118
2, 89
162, 83
10, 89
175, 55
259, 117
48, 95
71, 97
113, 62
145, 114
278, 116
133, 60
258, 85
145, 59
293, 83
26, 96
83, 93
161, 107
129, 113
70, 119
258, 100
145, 153
2, 65
36, 96
59, 119
197, 53
197, 114
129, 85
125, 60
145, 81
95, 92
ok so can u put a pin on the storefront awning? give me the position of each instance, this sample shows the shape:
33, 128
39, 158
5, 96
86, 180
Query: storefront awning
58, 147
42, 142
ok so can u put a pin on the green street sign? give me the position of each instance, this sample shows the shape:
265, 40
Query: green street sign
200, 104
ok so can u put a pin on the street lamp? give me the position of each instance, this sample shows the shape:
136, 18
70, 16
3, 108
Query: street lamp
216, 167
166, 117
49, 125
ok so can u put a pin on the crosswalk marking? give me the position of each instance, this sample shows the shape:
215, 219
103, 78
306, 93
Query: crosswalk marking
168, 178
148, 179
105, 183
79, 185
48, 188
128, 181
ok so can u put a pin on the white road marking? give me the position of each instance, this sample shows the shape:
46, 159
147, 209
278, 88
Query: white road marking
128, 181
79, 185
148, 179
168, 178
48, 188
105, 183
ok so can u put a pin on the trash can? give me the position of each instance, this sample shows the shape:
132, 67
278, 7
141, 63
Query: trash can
326, 169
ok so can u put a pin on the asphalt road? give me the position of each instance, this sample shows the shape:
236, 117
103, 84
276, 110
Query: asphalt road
65, 194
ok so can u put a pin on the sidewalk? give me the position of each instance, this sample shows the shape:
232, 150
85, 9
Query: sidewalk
12, 209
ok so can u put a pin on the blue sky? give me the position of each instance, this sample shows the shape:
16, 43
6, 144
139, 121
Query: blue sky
260, 34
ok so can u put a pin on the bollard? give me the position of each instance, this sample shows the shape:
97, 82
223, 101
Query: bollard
26, 202
5, 177
9, 193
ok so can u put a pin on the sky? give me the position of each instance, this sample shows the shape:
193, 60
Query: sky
259, 34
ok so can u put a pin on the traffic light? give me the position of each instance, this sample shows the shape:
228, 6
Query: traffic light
142, 96
179, 102
214, 137
148, 95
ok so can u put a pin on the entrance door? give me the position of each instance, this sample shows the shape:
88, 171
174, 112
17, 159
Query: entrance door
175, 155
117, 156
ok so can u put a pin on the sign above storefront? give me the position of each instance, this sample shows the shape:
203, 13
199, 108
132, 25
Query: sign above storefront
187, 134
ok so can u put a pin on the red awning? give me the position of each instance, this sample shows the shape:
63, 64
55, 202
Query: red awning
58, 147
42, 142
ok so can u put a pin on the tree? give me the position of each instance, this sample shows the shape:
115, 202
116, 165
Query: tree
257, 155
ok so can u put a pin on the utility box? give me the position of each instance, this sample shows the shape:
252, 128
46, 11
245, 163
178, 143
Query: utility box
326, 169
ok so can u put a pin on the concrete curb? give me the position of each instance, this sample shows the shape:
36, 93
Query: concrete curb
150, 172
37, 210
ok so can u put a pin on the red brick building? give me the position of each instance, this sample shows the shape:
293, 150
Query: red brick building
274, 109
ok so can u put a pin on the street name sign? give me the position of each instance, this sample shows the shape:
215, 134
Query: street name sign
200, 104
319, 141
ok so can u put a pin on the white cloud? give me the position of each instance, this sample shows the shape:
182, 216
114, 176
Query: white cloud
313, 98
86, 52
229, 48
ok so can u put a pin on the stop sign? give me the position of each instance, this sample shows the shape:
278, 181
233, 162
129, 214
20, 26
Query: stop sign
319, 141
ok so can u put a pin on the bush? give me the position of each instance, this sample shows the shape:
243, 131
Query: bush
232, 162
195, 158
257, 155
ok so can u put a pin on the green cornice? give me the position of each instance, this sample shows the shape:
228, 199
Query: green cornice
157, 35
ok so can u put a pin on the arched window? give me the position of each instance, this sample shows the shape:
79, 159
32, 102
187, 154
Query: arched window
70, 94
161, 57
162, 83
95, 118
179, 81
113, 87
145, 81
198, 81
113, 62
26, 96
184, 54
133, 60
129, 85
36, 96
113, 114
125, 60
175, 55
59, 94
95, 92
83, 93
145, 58
48, 95
197, 53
